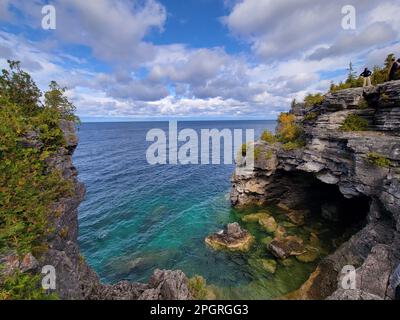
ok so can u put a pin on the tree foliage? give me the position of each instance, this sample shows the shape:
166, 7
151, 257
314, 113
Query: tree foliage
30, 137
354, 122
380, 74
56, 100
289, 132
313, 99
18, 87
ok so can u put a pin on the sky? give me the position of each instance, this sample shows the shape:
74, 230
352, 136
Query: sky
194, 59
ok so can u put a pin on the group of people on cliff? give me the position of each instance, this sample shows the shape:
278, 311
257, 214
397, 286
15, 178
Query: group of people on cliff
394, 67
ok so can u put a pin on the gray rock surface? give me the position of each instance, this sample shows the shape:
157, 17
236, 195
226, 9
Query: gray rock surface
74, 278
340, 160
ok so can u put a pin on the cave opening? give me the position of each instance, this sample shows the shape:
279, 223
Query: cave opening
304, 191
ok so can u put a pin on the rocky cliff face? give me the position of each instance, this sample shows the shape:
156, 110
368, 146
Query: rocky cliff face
74, 278
338, 175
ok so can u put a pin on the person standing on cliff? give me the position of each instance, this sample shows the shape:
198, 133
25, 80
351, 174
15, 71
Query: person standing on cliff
367, 77
393, 70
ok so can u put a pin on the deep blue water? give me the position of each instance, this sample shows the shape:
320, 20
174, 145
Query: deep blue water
137, 217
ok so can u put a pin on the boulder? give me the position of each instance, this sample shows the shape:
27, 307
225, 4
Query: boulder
269, 224
297, 217
286, 247
167, 285
255, 217
233, 237
268, 265
280, 232
310, 255
28, 263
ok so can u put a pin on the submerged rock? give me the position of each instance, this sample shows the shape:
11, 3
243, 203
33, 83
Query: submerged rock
310, 255
286, 247
268, 265
297, 217
266, 240
280, 232
233, 237
350, 176
255, 217
269, 224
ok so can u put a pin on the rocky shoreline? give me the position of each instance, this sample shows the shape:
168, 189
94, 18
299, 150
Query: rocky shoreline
74, 278
336, 174
333, 174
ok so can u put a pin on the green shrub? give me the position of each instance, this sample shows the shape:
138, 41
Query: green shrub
288, 129
27, 189
257, 153
310, 116
378, 160
384, 97
29, 136
269, 155
17, 86
197, 286
354, 122
56, 100
290, 134
313, 99
363, 104
24, 286
267, 136
293, 145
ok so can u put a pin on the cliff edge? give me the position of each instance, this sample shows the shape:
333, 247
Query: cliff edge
74, 278
348, 168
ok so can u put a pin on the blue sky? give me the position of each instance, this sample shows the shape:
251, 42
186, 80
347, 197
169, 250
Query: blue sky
194, 59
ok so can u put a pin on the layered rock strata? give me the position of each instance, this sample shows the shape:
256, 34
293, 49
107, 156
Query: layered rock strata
345, 176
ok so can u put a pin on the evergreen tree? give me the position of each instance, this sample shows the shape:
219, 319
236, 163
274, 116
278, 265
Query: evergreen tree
18, 87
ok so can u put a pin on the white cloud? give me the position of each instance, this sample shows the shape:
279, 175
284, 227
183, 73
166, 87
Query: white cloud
5, 10
114, 30
149, 80
374, 34
285, 28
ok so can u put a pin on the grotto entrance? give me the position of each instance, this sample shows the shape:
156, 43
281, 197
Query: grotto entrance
300, 190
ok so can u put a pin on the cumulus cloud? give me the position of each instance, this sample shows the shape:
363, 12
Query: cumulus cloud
114, 30
375, 34
5, 13
296, 47
280, 29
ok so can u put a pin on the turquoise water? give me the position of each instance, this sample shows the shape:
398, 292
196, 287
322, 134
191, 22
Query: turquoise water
137, 217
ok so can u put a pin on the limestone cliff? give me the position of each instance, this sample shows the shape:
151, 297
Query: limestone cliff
338, 175
74, 278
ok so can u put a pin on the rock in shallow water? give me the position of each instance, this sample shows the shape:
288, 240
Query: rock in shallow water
268, 265
310, 255
286, 247
233, 237
255, 217
269, 224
